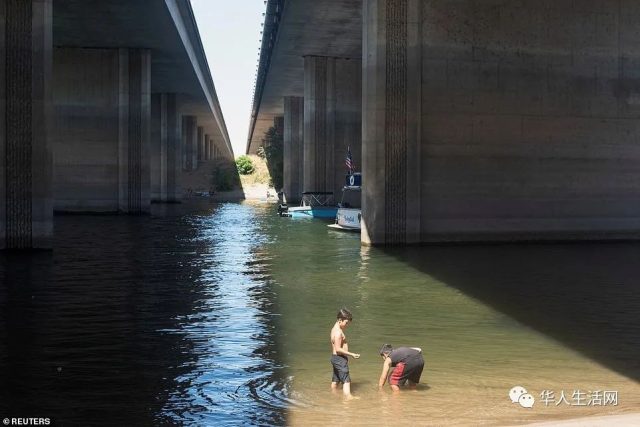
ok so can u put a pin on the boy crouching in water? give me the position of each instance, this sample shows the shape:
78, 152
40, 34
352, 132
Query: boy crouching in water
340, 353
407, 362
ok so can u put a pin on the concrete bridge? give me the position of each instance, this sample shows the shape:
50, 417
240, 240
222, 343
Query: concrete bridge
103, 105
470, 121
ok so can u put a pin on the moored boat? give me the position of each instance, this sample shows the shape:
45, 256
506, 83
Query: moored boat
314, 204
349, 214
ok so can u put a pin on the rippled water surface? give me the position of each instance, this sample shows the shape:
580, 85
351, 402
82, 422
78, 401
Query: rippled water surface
165, 319
220, 315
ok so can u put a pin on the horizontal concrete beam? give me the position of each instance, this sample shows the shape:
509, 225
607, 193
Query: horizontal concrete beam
293, 30
167, 28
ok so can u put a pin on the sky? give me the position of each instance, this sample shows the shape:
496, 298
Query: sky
230, 32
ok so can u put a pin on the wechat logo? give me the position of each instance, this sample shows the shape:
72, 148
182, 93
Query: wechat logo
518, 394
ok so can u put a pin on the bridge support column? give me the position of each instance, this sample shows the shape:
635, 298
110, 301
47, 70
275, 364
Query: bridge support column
391, 121
101, 137
319, 123
134, 131
190, 141
293, 148
166, 148
26, 208
174, 149
201, 141
332, 120
158, 149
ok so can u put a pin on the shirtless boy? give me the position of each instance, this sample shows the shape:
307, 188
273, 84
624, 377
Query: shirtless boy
340, 353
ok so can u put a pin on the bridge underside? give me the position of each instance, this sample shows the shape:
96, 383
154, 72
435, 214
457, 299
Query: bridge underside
106, 104
480, 120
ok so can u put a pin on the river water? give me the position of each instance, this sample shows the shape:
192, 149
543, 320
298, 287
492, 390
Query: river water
219, 314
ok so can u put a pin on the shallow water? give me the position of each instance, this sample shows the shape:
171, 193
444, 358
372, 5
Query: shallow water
220, 315
546, 317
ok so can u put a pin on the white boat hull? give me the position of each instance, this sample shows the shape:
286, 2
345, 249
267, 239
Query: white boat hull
347, 219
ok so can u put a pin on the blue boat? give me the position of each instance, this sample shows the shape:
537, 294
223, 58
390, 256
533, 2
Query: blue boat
313, 212
314, 204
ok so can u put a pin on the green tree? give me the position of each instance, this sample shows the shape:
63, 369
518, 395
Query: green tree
244, 165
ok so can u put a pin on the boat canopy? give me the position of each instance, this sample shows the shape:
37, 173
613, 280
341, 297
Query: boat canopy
317, 198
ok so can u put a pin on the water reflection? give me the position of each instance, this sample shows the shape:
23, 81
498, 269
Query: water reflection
231, 330
138, 321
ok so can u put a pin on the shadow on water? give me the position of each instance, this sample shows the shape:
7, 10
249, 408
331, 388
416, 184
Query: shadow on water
78, 323
585, 296
118, 326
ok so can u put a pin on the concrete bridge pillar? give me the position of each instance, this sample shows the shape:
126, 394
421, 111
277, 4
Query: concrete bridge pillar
293, 159
479, 128
26, 209
206, 154
214, 150
190, 141
201, 141
332, 120
166, 148
101, 135
158, 150
134, 131
391, 121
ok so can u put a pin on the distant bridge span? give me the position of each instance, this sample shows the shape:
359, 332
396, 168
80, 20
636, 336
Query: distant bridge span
471, 121
104, 105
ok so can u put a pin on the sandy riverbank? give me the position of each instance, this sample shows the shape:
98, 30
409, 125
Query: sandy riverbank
255, 192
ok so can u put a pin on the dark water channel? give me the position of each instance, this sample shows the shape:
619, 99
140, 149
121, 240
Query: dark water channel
143, 320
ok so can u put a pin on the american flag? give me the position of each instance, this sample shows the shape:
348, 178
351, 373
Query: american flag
349, 161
